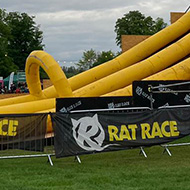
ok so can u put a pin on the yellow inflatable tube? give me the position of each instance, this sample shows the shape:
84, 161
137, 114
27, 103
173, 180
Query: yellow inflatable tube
39, 59
49, 122
134, 55
155, 63
138, 71
50, 66
180, 71
145, 68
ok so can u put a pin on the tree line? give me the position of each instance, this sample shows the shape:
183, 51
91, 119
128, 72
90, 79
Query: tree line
90, 58
20, 35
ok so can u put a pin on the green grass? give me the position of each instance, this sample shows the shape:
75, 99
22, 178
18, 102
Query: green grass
114, 170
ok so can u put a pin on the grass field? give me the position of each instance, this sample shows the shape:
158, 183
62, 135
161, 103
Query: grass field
114, 170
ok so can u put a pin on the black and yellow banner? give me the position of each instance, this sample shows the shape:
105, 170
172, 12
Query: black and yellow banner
23, 131
83, 133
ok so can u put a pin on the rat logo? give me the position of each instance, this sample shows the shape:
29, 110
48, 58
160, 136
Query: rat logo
88, 133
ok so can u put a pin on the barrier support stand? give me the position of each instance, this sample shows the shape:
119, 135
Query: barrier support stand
166, 149
30, 156
142, 152
78, 159
50, 160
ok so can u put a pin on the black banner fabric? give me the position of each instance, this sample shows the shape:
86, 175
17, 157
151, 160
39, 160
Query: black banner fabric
26, 131
141, 94
67, 105
83, 133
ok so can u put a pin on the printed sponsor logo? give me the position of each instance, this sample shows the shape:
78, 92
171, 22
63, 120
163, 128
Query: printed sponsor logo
88, 133
187, 98
140, 92
71, 107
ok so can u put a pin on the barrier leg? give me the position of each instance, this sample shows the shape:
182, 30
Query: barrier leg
78, 159
143, 152
166, 149
50, 160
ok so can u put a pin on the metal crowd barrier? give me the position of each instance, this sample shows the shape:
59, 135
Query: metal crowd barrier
25, 142
27, 145
138, 109
154, 90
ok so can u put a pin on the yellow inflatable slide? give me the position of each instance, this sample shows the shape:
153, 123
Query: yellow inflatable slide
163, 56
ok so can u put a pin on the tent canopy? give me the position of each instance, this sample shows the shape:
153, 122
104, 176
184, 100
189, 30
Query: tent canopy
19, 77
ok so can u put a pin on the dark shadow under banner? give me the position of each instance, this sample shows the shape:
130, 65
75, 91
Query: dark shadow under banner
23, 131
84, 133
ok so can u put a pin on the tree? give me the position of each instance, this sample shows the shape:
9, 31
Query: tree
88, 58
91, 58
70, 71
7, 66
6, 62
135, 23
24, 37
19, 35
103, 57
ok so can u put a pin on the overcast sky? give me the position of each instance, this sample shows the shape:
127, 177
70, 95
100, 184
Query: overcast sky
71, 27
